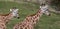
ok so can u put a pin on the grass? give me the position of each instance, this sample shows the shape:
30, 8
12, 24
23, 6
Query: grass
45, 22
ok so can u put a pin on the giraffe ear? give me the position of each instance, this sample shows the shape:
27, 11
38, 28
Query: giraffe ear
11, 10
40, 6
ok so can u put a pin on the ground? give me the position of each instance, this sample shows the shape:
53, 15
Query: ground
45, 22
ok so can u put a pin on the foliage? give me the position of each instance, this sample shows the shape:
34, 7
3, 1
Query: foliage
56, 3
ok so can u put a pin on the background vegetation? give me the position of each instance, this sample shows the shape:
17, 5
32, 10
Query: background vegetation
45, 22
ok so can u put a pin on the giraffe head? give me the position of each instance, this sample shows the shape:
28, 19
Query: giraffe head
14, 11
44, 9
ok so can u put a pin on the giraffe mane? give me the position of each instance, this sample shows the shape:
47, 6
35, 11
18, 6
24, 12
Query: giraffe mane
5, 14
34, 14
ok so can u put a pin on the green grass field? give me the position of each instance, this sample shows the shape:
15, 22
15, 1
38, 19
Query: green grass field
45, 22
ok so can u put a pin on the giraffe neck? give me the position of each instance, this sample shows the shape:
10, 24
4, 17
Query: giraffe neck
29, 22
8, 18
34, 18
39, 13
37, 16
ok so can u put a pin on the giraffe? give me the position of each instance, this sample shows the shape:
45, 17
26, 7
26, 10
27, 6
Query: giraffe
31, 20
2, 25
7, 17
